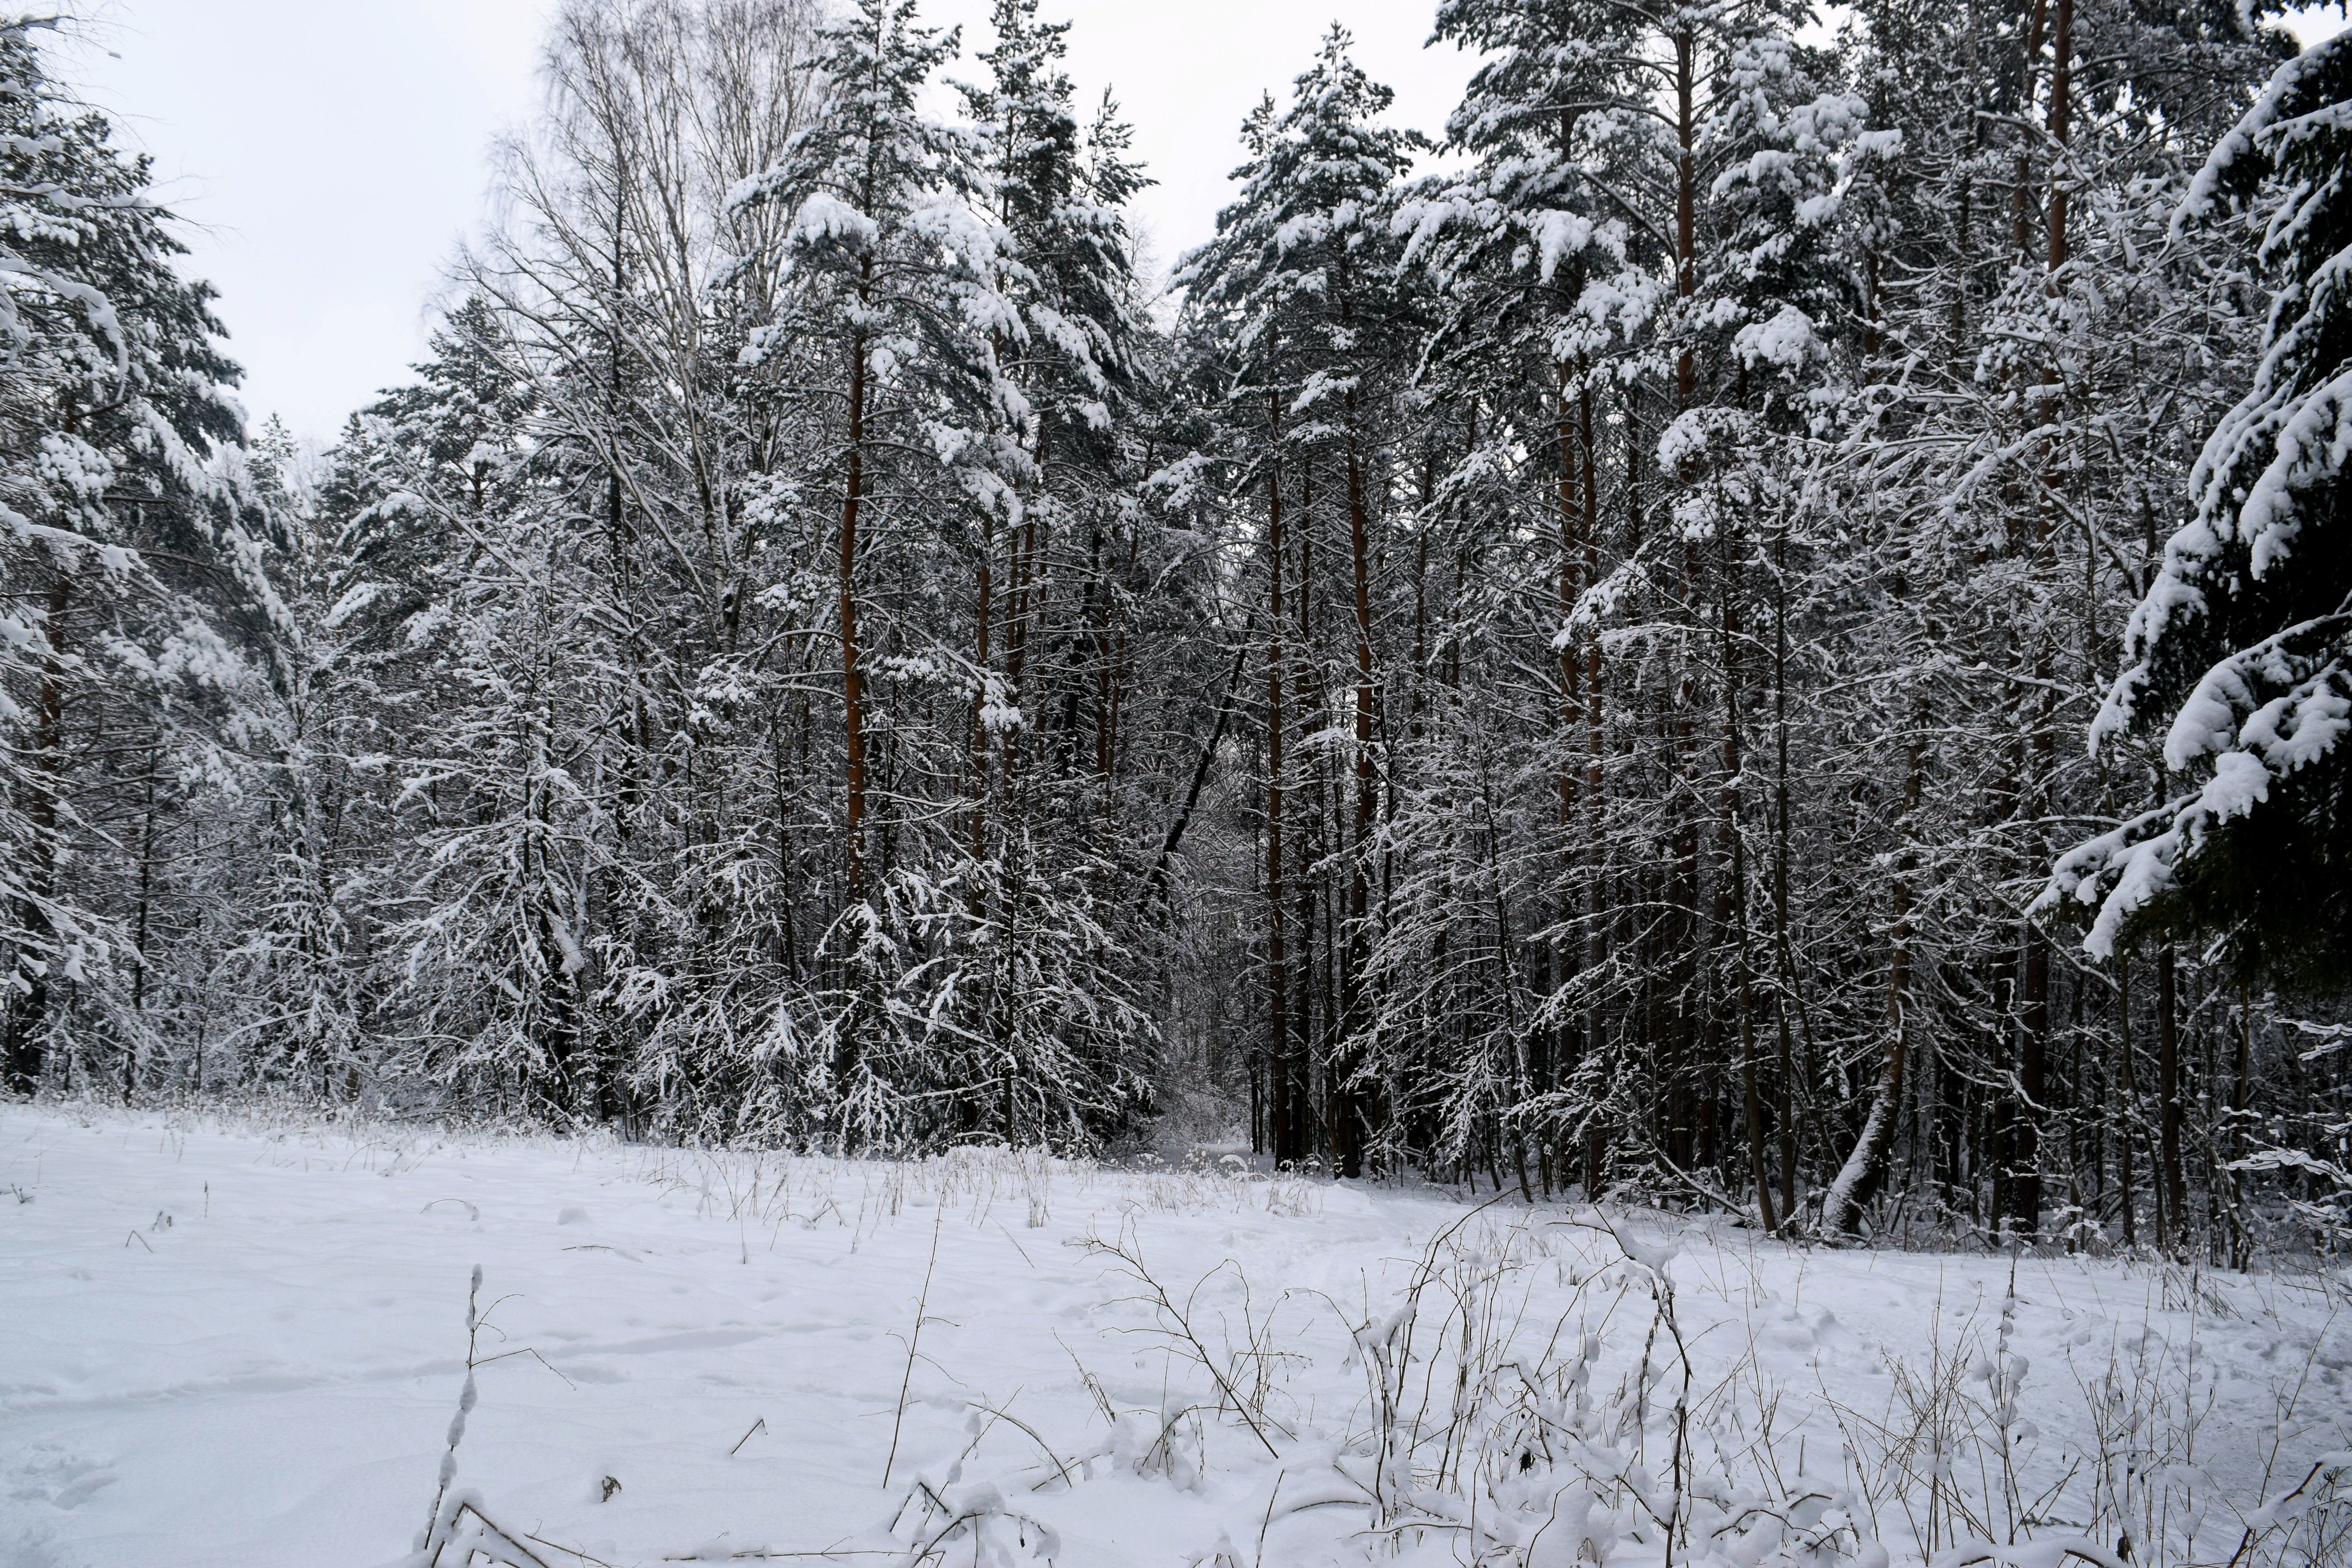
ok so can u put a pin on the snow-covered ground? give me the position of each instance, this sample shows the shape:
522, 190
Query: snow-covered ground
242, 1348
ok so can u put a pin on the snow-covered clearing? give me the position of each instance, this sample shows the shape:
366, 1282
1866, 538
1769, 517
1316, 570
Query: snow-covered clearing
245, 1346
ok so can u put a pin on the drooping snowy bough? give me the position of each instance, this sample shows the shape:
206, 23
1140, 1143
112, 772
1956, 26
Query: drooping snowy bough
2240, 651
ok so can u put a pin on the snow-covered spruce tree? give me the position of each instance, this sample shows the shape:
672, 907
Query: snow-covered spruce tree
293, 989
119, 547
1786, 291
1315, 323
466, 610
580, 454
2229, 713
2240, 652
1040, 967
905, 334
346, 960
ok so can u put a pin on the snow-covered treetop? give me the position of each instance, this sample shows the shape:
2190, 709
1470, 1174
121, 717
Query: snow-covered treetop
116, 380
1314, 202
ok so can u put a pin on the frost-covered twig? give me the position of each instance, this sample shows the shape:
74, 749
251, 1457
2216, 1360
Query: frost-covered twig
907, 1378
466, 1398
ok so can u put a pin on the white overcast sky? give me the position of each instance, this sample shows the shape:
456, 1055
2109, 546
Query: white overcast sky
330, 155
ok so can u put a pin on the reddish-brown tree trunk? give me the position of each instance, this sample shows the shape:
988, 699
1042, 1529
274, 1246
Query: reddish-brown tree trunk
2061, 82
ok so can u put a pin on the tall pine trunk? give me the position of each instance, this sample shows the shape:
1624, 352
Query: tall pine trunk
1282, 1082
853, 679
2032, 1068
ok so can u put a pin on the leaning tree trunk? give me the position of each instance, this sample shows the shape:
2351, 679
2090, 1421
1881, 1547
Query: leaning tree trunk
1864, 1171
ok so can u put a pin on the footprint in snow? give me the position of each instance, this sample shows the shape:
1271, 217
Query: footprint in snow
58, 1478
1799, 1329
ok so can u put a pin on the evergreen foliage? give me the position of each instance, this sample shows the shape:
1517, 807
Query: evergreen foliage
2243, 648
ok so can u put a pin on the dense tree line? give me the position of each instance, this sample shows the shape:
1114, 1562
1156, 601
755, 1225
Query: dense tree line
1560, 657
